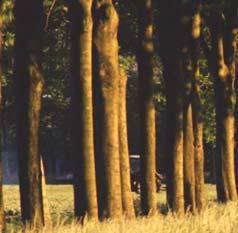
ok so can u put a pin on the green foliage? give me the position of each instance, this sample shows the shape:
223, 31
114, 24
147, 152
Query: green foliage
208, 100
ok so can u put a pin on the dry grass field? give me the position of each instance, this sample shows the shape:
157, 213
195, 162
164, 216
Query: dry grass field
216, 218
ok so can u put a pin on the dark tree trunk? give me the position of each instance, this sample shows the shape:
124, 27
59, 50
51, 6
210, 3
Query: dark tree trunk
29, 18
2, 217
147, 109
170, 49
106, 75
85, 194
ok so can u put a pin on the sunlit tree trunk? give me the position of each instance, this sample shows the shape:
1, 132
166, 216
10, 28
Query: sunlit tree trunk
188, 137
197, 115
29, 20
145, 52
189, 172
85, 194
106, 71
190, 52
127, 198
223, 55
2, 217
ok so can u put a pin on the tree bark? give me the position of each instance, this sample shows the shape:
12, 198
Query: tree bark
190, 51
2, 216
28, 85
189, 170
174, 169
170, 51
85, 193
106, 85
223, 50
147, 109
197, 115
127, 198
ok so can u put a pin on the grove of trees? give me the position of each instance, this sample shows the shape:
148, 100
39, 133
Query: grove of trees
93, 81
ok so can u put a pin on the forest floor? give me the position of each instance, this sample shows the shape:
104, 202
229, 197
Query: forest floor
217, 218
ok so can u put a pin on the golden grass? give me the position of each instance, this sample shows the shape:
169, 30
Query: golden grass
216, 218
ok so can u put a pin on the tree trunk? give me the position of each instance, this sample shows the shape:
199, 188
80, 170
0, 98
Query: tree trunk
85, 194
29, 84
127, 198
197, 116
223, 50
174, 169
198, 145
147, 109
191, 33
47, 215
106, 84
170, 49
2, 216
189, 172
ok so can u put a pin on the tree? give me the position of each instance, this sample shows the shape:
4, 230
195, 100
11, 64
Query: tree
127, 198
197, 112
106, 88
222, 64
147, 108
189, 172
2, 217
170, 51
85, 193
190, 29
29, 20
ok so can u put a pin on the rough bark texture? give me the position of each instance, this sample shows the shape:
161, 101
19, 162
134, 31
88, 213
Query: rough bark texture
127, 198
85, 194
147, 109
28, 86
197, 116
223, 52
106, 86
2, 217
170, 49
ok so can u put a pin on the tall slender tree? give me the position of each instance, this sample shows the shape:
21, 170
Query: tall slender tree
29, 20
2, 217
127, 198
85, 194
190, 29
170, 51
106, 75
223, 28
197, 112
145, 52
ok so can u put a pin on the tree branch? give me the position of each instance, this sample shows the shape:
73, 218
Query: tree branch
49, 14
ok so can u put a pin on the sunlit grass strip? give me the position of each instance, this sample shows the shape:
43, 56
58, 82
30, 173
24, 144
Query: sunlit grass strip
217, 218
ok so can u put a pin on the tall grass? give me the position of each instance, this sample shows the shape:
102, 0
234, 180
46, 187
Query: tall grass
217, 218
